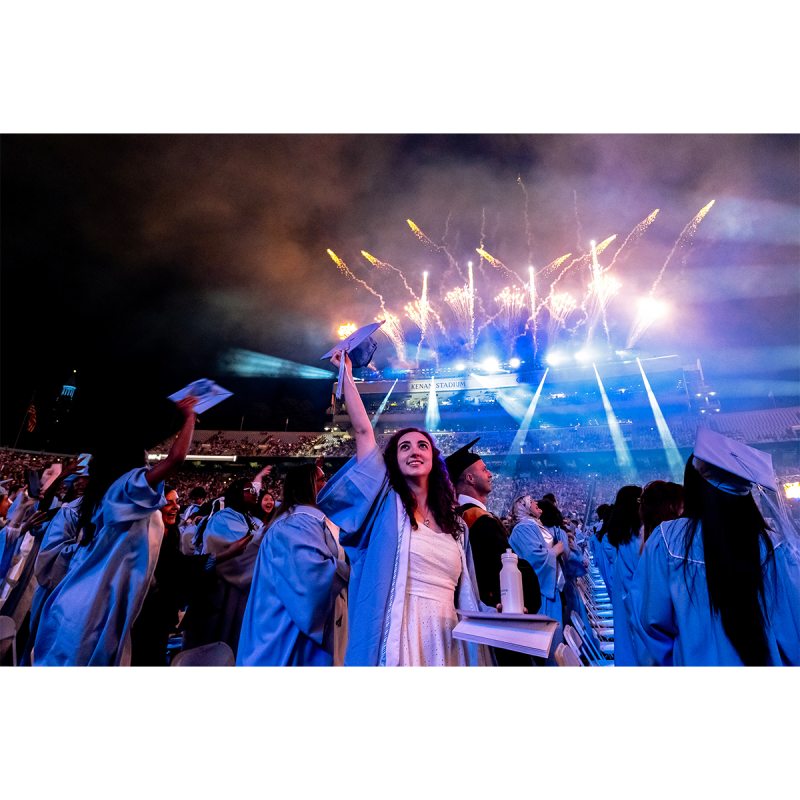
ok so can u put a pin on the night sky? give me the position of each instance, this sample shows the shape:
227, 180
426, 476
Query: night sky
141, 260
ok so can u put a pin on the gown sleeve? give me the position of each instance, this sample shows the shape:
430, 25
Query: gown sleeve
58, 546
649, 605
349, 496
131, 498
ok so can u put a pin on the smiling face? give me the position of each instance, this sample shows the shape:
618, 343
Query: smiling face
169, 512
414, 455
267, 503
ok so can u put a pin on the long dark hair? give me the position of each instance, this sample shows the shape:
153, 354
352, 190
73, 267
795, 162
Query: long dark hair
441, 496
604, 515
624, 523
234, 496
299, 489
551, 516
660, 501
104, 468
733, 531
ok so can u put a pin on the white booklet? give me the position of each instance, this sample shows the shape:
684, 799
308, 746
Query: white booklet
207, 392
525, 633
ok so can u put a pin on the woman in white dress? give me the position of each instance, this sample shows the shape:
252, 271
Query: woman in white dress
409, 549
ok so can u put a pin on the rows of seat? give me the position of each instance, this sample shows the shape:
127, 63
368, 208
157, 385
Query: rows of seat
590, 637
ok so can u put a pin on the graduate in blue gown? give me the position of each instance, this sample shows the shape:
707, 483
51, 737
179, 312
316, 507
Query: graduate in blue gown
87, 619
377, 507
541, 547
216, 615
718, 587
291, 616
623, 534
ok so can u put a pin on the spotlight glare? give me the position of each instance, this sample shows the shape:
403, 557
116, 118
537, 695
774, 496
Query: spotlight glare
345, 329
651, 309
584, 356
490, 364
554, 359
514, 363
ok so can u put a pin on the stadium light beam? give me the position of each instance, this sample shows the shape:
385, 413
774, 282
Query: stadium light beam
522, 431
432, 416
382, 406
674, 460
248, 364
624, 458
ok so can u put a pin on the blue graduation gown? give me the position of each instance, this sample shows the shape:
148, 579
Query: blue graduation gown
375, 533
673, 626
608, 554
87, 619
59, 544
624, 567
289, 619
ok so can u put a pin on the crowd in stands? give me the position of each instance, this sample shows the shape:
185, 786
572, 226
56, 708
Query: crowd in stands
774, 425
195, 589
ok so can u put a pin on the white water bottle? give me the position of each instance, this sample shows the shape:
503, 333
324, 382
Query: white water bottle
511, 584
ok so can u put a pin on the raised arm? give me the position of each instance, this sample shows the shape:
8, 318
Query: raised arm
180, 447
362, 427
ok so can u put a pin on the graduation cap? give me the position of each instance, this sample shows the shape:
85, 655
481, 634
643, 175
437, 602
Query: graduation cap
458, 461
731, 466
360, 346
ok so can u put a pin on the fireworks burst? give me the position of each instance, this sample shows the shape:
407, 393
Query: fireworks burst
345, 329
394, 332
376, 262
684, 238
590, 290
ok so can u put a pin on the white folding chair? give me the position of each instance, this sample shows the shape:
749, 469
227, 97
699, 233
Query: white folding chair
566, 658
604, 655
216, 654
8, 630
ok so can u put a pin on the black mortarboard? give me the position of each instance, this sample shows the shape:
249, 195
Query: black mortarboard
458, 461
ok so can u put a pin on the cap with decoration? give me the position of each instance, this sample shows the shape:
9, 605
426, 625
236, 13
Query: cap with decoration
731, 466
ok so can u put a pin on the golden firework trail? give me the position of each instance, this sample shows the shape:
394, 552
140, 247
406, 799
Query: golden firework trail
498, 264
420, 235
345, 270
376, 262
596, 250
554, 265
685, 236
635, 233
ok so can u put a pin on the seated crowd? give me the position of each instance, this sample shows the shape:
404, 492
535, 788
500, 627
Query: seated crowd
122, 564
